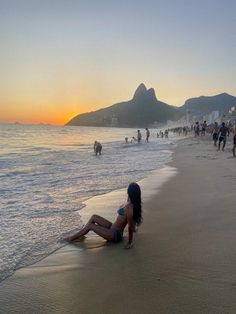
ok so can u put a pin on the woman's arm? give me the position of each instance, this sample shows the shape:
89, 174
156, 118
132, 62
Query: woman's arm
131, 228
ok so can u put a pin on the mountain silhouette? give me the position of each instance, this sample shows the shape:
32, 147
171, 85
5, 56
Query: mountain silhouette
145, 110
206, 104
142, 110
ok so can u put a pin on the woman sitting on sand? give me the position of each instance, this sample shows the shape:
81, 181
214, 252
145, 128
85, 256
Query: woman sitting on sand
130, 213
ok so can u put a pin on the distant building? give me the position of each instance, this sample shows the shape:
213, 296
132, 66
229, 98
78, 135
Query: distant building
214, 116
230, 116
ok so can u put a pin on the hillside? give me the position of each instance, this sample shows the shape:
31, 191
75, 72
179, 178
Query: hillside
206, 104
141, 111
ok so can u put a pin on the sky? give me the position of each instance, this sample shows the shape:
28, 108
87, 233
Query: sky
59, 58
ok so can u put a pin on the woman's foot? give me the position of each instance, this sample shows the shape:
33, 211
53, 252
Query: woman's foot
82, 238
73, 239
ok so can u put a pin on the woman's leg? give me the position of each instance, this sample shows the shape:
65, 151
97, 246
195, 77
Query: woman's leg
95, 221
101, 231
100, 221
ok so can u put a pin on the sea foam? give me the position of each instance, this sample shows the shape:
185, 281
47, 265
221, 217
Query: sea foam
48, 172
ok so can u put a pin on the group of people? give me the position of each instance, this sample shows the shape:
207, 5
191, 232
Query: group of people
219, 133
200, 128
139, 137
131, 212
163, 134
160, 134
182, 130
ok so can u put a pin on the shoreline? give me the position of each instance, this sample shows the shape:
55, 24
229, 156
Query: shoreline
183, 260
98, 205
81, 215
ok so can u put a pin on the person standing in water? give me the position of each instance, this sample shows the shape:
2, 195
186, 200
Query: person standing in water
147, 135
139, 136
97, 148
128, 214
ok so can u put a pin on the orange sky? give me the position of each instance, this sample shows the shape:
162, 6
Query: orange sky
59, 61
59, 109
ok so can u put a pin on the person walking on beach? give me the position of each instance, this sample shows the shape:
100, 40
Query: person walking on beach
128, 214
215, 133
234, 145
196, 129
234, 140
97, 148
139, 136
200, 129
204, 126
147, 135
222, 135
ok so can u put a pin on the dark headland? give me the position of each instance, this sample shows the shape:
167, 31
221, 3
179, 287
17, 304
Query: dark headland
144, 109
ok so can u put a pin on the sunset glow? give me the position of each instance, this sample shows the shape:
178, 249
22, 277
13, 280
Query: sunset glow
59, 59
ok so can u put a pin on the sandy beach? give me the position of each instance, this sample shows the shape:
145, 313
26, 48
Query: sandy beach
183, 260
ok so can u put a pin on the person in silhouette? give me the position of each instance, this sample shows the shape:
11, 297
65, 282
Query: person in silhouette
147, 135
128, 214
97, 148
204, 127
139, 136
234, 140
215, 133
196, 129
222, 135
234, 145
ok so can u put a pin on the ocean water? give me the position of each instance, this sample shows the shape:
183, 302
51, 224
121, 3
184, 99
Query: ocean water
47, 172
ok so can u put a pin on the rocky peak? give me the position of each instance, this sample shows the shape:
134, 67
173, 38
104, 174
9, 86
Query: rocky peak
151, 93
142, 91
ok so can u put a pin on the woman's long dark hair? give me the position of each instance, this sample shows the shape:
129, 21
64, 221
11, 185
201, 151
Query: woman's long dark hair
134, 193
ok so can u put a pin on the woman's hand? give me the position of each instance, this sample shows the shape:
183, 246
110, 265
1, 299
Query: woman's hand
129, 245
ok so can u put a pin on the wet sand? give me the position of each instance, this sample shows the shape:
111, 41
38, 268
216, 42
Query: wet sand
183, 260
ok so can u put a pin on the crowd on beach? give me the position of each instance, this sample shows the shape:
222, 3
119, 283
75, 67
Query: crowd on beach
138, 139
219, 133
130, 213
